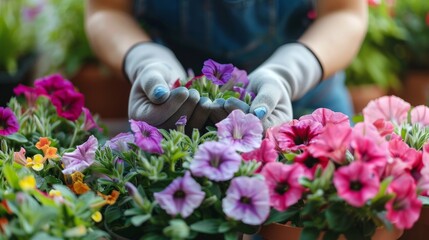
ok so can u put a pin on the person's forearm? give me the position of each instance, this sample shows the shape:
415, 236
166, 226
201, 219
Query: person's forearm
111, 30
336, 35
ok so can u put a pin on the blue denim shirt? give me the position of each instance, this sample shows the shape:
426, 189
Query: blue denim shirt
242, 32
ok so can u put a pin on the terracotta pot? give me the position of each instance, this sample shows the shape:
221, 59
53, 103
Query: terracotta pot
362, 94
420, 230
277, 231
416, 87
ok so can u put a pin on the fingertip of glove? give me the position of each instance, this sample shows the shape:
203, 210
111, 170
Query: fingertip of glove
260, 112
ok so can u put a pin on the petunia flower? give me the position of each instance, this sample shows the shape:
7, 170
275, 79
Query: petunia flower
247, 200
215, 160
120, 142
31, 94
390, 108
147, 137
326, 116
89, 121
53, 83
333, 143
298, 135
81, 158
420, 115
218, 73
367, 151
240, 130
383, 127
182, 196
68, 103
283, 183
311, 163
356, 183
19, 157
8, 122
264, 154
404, 209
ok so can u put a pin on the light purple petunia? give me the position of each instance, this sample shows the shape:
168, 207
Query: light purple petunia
8, 122
81, 158
89, 121
215, 160
182, 196
240, 77
243, 131
218, 73
147, 137
120, 142
247, 200
182, 121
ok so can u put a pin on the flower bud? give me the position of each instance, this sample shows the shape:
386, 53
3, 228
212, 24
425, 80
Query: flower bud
134, 193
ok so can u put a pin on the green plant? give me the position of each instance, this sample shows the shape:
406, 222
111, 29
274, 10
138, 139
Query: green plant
376, 62
16, 34
413, 17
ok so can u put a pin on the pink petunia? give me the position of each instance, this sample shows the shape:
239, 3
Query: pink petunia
368, 130
89, 121
311, 163
420, 115
383, 127
404, 209
333, 143
283, 183
298, 135
356, 183
69, 103
271, 134
403, 158
367, 151
390, 108
265, 154
326, 116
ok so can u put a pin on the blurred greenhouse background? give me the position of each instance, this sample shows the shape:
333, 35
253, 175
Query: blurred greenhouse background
39, 37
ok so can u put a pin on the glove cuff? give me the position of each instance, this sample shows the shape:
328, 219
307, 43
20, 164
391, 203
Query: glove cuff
317, 59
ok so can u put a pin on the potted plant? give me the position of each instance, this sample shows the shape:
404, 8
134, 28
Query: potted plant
376, 69
17, 44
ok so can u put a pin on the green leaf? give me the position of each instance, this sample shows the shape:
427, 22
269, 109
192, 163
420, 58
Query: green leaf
231, 235
309, 233
331, 235
224, 227
210, 226
247, 229
140, 219
280, 217
337, 218
11, 176
16, 137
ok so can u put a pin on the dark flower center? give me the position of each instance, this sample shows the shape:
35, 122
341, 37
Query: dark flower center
311, 162
355, 185
299, 140
245, 200
146, 134
281, 188
3, 124
179, 194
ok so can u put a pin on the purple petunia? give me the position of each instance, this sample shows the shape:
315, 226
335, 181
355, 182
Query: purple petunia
182, 196
120, 142
240, 77
243, 131
147, 137
89, 121
81, 158
215, 160
8, 122
68, 103
247, 199
218, 73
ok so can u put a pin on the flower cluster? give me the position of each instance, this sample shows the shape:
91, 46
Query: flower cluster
220, 81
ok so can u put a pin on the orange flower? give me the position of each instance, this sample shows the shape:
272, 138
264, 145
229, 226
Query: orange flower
110, 199
5, 206
3, 223
80, 188
43, 143
51, 153
77, 177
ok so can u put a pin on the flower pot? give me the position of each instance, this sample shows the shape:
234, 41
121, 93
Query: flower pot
416, 87
8, 82
362, 94
277, 231
420, 229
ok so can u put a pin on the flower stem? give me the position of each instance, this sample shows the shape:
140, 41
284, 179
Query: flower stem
74, 137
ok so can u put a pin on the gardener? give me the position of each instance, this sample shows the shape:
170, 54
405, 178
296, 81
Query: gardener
294, 57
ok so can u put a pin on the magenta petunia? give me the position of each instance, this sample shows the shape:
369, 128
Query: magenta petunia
298, 135
283, 183
404, 209
333, 143
390, 108
247, 200
89, 121
215, 160
240, 130
218, 73
326, 116
69, 103
356, 183
265, 154
8, 122
182, 196
147, 137
81, 158
31, 94
52, 83
311, 163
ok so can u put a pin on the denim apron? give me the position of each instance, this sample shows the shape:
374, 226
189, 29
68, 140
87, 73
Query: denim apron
242, 32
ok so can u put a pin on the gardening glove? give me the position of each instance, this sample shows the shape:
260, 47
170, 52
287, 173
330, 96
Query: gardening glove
287, 75
152, 69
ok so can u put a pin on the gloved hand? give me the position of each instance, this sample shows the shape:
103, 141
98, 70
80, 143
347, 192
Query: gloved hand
152, 69
287, 75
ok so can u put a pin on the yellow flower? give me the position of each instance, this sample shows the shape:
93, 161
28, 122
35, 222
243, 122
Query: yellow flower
55, 193
77, 177
97, 217
51, 153
43, 143
27, 183
36, 163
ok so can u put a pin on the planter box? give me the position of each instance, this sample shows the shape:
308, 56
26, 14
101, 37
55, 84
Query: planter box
416, 87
